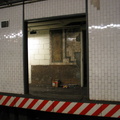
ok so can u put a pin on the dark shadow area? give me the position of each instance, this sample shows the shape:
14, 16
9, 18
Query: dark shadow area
74, 94
9, 113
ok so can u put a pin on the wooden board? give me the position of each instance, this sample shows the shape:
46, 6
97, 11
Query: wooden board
56, 45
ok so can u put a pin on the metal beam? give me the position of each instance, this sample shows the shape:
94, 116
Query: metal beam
9, 3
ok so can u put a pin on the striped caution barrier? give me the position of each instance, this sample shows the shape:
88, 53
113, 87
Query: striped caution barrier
91, 109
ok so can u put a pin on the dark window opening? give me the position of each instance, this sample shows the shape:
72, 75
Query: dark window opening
56, 59
4, 24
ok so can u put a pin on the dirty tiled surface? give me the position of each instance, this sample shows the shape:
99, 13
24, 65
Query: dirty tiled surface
11, 51
104, 50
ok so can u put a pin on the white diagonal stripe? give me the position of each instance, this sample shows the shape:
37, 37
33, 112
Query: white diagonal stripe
27, 103
92, 110
116, 114
106, 110
3, 99
47, 106
81, 108
19, 102
37, 104
10, 101
58, 106
69, 107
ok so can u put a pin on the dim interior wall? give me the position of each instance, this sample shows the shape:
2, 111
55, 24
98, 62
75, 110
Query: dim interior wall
11, 51
40, 53
49, 8
104, 50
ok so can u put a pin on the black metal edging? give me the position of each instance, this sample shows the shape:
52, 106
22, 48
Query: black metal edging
87, 48
17, 3
56, 17
25, 54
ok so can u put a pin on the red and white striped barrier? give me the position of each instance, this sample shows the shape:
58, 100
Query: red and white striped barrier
91, 109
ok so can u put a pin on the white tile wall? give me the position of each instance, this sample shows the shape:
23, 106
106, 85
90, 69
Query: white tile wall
104, 50
38, 49
11, 51
104, 42
51, 8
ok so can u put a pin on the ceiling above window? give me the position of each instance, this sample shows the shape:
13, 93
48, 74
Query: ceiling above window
8, 3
